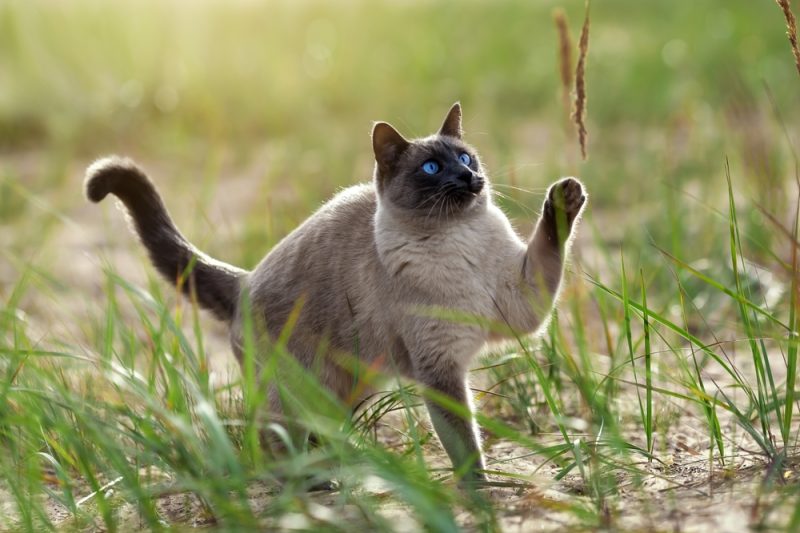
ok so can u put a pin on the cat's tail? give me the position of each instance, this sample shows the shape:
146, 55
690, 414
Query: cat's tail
216, 284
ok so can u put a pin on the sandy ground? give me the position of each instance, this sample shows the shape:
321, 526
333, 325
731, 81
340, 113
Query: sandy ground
684, 494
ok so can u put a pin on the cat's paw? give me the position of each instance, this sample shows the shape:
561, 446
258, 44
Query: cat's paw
565, 199
474, 479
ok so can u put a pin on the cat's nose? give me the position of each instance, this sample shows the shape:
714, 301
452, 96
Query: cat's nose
470, 181
465, 176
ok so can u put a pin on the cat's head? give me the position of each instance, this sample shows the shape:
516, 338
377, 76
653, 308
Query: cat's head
435, 178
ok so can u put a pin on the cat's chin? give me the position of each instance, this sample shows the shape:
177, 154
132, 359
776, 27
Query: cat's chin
466, 201
457, 206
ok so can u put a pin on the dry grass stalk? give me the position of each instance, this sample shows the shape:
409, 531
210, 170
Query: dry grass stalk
564, 59
791, 27
579, 114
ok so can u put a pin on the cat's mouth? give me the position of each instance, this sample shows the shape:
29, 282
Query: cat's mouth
475, 185
452, 197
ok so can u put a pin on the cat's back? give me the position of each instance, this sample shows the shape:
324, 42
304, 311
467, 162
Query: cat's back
343, 224
345, 213
324, 262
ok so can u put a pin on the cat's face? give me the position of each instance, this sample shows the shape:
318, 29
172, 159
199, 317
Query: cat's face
435, 178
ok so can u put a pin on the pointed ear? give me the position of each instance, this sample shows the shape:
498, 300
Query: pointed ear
452, 123
387, 144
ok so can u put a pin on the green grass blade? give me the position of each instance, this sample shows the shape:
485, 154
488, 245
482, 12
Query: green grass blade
648, 376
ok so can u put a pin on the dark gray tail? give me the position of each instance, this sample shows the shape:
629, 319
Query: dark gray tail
216, 284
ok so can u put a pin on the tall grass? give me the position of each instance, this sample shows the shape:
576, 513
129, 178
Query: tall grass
669, 368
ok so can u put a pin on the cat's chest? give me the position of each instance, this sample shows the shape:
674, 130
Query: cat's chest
455, 264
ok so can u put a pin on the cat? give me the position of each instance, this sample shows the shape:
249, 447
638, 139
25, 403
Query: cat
368, 267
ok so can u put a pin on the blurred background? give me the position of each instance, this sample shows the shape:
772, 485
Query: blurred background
285, 93
275, 99
249, 115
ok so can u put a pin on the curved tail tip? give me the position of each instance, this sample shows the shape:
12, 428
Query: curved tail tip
103, 174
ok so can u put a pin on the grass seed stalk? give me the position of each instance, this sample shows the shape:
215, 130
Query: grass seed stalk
564, 59
791, 30
579, 113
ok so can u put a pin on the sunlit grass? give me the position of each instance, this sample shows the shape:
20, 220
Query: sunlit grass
675, 340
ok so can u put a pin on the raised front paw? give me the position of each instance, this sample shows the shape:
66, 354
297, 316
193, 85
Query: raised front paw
564, 202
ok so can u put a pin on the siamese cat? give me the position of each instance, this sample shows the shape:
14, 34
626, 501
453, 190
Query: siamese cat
362, 271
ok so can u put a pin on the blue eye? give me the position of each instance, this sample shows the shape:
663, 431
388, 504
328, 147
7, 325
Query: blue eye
430, 167
464, 158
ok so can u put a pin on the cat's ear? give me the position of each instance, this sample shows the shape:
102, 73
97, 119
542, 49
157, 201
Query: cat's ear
452, 122
387, 144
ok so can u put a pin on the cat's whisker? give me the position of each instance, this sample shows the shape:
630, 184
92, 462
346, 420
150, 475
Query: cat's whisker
514, 201
442, 195
438, 196
427, 193
445, 209
445, 203
535, 190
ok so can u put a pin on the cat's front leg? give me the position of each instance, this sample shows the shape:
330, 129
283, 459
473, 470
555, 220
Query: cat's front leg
530, 280
440, 353
457, 431
544, 259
